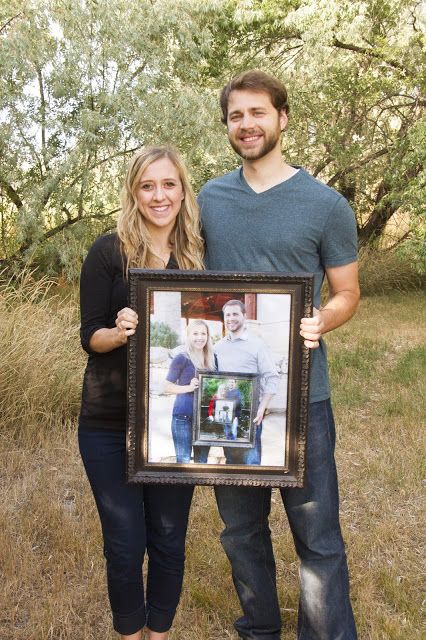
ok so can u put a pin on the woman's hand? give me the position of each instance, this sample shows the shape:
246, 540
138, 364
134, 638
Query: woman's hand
194, 384
126, 323
105, 340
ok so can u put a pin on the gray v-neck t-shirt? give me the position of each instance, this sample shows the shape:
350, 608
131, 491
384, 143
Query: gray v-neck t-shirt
299, 225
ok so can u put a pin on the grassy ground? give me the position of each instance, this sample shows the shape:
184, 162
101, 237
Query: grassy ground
52, 571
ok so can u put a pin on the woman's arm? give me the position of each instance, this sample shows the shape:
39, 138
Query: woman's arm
104, 340
96, 283
172, 388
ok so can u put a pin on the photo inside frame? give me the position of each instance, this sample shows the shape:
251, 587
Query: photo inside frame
225, 409
175, 428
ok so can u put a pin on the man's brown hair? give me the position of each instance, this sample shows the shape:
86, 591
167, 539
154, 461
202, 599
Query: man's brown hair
257, 81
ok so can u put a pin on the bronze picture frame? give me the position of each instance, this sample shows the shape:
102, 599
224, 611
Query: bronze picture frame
185, 313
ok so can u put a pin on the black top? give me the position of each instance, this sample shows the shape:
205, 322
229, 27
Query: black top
103, 292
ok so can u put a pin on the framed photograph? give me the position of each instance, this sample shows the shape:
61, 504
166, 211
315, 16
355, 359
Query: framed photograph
218, 378
225, 409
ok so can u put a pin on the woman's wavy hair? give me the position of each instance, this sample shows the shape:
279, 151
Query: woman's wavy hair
206, 359
135, 240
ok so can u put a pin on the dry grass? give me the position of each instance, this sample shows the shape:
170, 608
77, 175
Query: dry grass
383, 272
52, 573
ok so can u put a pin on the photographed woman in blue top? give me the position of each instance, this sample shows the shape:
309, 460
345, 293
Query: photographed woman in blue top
181, 381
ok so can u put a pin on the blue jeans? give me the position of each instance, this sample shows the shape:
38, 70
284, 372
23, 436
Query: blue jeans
234, 455
182, 439
136, 518
325, 612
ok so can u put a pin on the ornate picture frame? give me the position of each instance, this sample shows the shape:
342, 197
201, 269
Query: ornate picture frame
246, 326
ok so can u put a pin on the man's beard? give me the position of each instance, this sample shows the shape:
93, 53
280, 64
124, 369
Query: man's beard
269, 142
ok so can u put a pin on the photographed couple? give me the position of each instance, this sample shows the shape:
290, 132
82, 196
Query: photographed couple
277, 218
238, 351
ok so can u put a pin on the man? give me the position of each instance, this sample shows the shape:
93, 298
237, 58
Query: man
278, 218
241, 352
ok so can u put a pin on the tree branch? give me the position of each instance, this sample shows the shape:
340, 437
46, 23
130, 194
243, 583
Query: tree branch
6, 24
52, 232
11, 193
368, 52
357, 165
99, 162
42, 116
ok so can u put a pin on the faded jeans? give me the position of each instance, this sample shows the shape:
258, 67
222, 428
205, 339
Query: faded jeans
182, 439
325, 612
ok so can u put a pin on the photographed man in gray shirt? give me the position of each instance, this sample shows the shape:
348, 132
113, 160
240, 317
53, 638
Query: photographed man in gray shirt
240, 352
279, 218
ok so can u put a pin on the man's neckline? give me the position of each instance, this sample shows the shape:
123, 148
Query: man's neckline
274, 186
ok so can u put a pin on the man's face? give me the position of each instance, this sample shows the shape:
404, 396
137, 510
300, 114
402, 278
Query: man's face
254, 125
233, 318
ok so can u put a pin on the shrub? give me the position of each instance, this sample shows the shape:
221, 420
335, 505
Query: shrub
163, 336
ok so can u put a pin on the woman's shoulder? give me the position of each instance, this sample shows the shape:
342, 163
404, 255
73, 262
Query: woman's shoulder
181, 358
106, 242
105, 251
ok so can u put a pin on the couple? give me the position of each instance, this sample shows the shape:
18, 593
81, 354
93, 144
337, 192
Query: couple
277, 218
237, 351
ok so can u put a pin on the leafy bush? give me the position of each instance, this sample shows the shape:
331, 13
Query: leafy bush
163, 336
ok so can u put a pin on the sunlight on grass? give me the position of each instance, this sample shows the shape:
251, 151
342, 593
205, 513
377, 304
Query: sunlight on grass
53, 582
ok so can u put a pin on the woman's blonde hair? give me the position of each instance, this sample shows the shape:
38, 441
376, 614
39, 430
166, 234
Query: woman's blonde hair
136, 245
204, 360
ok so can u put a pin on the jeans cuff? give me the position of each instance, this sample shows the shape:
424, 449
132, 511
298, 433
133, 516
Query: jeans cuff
129, 623
159, 620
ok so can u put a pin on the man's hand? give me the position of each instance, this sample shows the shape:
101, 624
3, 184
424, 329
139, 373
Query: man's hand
344, 297
259, 416
262, 408
311, 329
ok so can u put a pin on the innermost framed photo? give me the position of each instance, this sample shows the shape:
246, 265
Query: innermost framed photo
218, 378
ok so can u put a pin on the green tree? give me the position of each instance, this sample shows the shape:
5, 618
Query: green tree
357, 79
162, 336
83, 84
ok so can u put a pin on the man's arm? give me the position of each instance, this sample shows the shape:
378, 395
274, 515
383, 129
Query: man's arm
342, 303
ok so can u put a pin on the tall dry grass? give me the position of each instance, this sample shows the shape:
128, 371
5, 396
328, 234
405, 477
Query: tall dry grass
41, 359
384, 272
52, 572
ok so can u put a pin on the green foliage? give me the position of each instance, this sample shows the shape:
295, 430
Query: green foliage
211, 385
83, 84
162, 336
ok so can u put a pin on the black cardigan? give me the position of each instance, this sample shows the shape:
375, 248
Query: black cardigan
103, 292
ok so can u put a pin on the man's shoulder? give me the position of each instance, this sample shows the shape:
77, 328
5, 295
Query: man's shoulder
220, 343
226, 180
319, 189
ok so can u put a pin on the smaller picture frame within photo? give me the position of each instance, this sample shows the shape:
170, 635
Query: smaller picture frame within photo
225, 409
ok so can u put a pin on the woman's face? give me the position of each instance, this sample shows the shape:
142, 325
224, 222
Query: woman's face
198, 337
159, 195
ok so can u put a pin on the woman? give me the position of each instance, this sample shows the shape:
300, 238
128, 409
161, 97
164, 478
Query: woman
181, 380
158, 227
